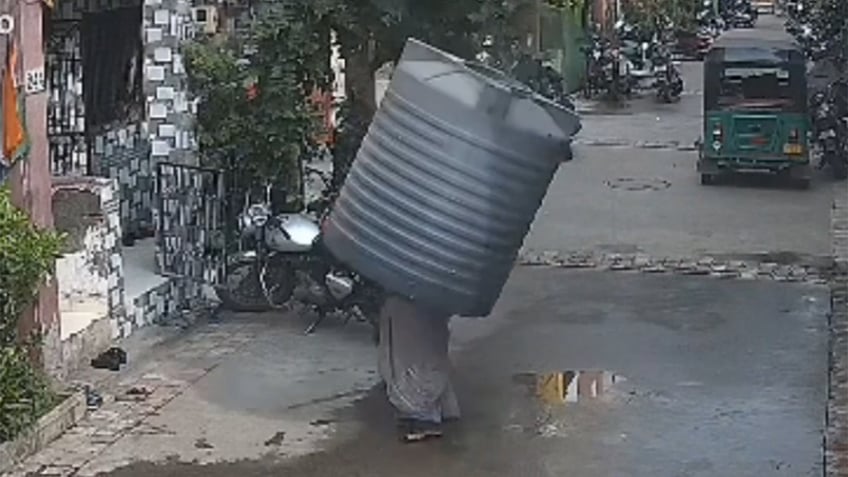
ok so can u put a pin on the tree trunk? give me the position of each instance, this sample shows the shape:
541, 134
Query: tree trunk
360, 108
359, 78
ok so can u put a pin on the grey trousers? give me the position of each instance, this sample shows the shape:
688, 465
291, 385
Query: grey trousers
414, 361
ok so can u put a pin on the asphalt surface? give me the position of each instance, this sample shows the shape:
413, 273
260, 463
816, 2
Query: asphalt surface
712, 378
591, 206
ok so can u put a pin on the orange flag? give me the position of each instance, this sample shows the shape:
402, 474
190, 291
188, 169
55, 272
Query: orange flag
14, 134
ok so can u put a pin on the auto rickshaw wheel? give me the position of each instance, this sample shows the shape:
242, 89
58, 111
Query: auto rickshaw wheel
708, 179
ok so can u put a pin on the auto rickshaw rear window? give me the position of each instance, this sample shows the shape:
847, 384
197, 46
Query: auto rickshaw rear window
758, 87
755, 77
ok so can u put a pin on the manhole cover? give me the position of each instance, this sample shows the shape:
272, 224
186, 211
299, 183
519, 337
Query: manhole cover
637, 184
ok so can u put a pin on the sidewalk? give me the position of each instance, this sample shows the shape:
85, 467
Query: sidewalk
247, 387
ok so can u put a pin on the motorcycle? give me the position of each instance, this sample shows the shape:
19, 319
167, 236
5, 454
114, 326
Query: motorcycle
285, 262
604, 69
830, 127
668, 81
619, 79
739, 13
744, 18
593, 51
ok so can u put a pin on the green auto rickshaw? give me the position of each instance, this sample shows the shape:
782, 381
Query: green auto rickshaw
755, 110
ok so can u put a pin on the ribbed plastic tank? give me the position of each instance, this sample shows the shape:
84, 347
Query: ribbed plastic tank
447, 181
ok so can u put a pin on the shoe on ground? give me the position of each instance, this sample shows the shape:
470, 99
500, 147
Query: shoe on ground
413, 430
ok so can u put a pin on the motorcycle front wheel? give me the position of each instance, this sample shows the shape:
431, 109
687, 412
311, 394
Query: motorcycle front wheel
277, 282
256, 287
242, 289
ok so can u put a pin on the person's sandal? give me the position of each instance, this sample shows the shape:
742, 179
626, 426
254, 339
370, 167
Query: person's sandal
417, 431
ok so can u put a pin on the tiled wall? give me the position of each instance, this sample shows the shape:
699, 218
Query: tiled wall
129, 152
170, 113
167, 303
123, 154
120, 152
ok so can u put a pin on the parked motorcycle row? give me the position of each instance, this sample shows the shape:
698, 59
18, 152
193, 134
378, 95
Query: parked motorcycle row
714, 19
821, 29
632, 60
830, 127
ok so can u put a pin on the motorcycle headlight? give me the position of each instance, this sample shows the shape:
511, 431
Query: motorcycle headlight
256, 216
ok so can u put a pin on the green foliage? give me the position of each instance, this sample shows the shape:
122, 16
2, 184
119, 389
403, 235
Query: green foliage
282, 59
220, 84
498, 34
290, 41
27, 256
25, 393
655, 15
373, 32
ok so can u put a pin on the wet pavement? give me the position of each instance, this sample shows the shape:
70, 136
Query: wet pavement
577, 373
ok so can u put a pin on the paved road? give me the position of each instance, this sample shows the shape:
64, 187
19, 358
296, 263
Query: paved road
704, 377
588, 207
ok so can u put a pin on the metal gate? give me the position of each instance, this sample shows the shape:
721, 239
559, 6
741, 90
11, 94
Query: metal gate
192, 222
66, 129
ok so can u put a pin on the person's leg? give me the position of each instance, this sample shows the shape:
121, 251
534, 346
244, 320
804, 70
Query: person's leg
448, 403
414, 366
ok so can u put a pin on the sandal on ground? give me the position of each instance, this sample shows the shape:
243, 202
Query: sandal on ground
413, 430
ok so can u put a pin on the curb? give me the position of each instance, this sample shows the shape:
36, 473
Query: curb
52, 425
611, 142
836, 422
705, 266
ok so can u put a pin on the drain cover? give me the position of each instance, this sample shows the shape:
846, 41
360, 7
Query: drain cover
637, 184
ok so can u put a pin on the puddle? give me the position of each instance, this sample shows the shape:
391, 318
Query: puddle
564, 387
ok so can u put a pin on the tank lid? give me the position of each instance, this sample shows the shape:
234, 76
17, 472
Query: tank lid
565, 118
